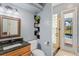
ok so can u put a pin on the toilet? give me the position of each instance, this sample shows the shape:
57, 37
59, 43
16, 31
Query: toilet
35, 51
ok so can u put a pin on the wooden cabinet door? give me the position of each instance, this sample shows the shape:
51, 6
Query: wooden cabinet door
27, 54
13, 53
25, 51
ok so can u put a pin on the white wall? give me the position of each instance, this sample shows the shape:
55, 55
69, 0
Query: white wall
45, 29
27, 25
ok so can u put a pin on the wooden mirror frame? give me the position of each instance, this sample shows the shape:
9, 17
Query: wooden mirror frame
9, 18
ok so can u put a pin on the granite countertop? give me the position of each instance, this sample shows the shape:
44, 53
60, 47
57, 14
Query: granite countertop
14, 48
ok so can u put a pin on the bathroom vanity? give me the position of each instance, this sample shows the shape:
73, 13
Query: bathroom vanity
11, 42
15, 48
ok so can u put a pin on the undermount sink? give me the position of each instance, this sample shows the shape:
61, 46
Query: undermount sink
12, 46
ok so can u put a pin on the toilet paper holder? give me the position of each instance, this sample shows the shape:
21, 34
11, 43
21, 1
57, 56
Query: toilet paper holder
47, 43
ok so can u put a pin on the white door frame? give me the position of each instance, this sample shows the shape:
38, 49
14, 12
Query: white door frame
74, 48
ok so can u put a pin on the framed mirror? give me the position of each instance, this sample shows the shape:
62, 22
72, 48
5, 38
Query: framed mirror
10, 26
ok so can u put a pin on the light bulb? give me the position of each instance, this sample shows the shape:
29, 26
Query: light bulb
9, 11
16, 13
1, 9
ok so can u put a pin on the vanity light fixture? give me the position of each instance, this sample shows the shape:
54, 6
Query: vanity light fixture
16, 12
12, 11
9, 9
1, 8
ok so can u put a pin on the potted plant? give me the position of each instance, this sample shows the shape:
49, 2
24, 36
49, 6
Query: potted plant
37, 19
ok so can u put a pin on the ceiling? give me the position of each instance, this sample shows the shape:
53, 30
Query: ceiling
31, 7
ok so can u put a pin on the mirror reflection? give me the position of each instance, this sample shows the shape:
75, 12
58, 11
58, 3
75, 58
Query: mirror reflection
13, 27
5, 27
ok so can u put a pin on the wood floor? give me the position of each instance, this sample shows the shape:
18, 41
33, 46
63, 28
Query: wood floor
64, 53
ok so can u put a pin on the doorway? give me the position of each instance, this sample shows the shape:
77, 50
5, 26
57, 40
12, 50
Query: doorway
69, 30
65, 31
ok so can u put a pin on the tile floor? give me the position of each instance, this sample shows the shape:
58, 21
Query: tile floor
64, 53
